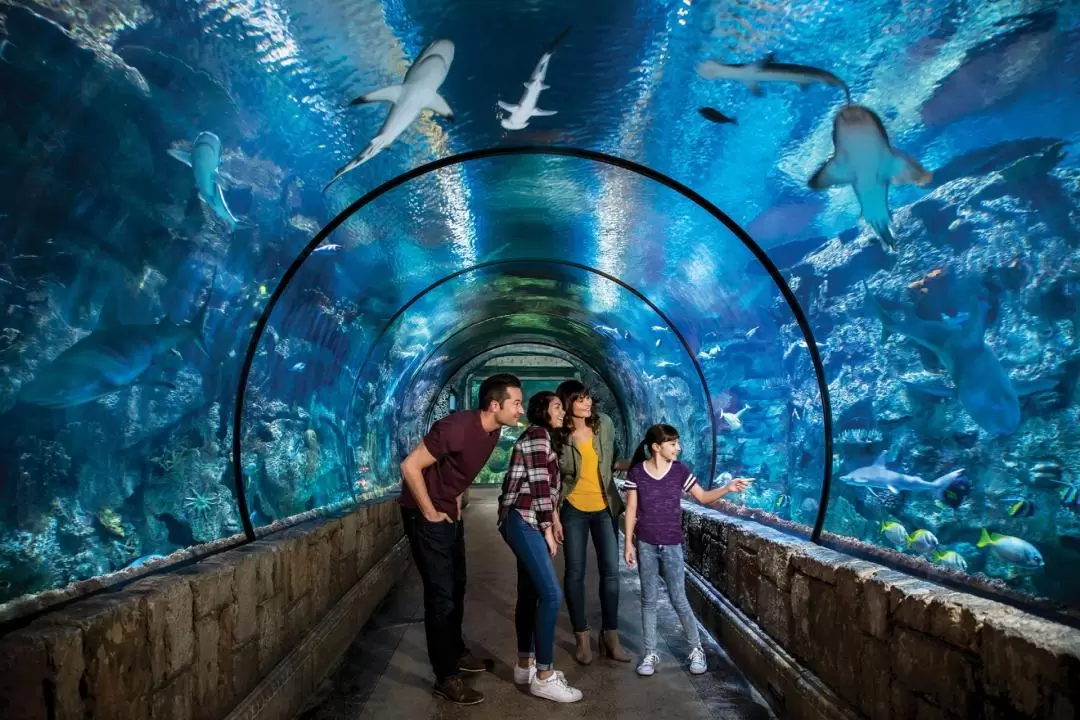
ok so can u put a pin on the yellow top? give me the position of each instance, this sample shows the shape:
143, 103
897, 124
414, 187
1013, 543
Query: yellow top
588, 496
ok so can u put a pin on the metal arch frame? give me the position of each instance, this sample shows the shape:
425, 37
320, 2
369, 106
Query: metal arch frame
461, 365
580, 153
543, 261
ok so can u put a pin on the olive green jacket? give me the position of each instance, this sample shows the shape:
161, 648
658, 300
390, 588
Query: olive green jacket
604, 445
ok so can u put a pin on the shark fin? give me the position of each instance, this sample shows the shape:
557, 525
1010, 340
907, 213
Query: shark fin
182, 155
754, 88
879, 461
228, 217
1038, 385
769, 59
832, 172
439, 106
906, 170
543, 113
389, 94
508, 107
931, 389
544, 87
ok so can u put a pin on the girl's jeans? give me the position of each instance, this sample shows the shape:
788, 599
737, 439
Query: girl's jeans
665, 560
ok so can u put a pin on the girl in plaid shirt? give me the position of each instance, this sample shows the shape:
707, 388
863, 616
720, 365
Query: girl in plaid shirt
528, 516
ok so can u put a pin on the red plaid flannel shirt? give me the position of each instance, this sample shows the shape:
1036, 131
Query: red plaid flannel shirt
532, 480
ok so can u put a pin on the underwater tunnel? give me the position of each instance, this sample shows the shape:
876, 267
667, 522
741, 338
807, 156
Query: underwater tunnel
215, 334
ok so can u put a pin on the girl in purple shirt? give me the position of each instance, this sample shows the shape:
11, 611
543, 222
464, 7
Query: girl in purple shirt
654, 488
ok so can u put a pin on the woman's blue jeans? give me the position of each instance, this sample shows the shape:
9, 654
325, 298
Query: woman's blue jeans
538, 593
577, 526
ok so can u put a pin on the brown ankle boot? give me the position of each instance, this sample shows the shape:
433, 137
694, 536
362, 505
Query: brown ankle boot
609, 645
583, 654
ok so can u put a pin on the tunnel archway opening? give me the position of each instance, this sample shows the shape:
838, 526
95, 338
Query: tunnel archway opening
539, 366
513, 310
642, 173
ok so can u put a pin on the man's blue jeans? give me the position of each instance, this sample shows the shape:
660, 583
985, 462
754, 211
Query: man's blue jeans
538, 593
577, 526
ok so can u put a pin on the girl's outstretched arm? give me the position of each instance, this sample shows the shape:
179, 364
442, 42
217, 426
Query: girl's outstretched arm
708, 497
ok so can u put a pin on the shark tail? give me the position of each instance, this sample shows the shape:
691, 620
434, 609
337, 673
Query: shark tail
953, 488
555, 43
198, 323
374, 148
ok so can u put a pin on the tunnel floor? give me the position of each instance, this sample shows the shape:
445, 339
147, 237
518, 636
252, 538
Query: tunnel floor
385, 673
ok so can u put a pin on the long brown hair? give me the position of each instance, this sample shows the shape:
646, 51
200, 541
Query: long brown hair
569, 391
537, 414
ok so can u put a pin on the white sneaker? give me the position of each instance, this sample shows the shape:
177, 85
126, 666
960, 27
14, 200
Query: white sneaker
648, 664
554, 688
524, 676
698, 664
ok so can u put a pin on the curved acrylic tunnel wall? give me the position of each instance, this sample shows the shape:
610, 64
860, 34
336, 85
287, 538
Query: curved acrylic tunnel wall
101, 231
620, 296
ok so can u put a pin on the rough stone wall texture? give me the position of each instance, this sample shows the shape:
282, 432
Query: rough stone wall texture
892, 646
190, 644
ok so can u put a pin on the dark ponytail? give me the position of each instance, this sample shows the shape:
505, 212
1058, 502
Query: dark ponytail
658, 434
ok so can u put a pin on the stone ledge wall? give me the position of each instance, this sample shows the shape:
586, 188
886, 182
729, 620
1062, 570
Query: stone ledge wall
191, 644
892, 646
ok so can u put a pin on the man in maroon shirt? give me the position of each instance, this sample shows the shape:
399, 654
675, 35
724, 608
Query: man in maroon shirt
434, 476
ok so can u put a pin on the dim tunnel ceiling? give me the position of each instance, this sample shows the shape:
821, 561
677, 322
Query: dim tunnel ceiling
570, 247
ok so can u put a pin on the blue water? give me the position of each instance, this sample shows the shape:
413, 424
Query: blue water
114, 447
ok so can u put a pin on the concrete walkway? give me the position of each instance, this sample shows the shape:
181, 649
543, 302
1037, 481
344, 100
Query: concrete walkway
385, 673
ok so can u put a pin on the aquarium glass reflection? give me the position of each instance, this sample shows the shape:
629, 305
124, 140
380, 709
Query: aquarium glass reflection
167, 161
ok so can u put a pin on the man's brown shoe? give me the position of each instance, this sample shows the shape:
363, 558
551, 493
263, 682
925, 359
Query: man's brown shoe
456, 691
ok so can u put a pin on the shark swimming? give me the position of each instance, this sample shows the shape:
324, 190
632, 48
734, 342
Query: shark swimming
864, 159
112, 357
878, 477
204, 159
520, 114
418, 91
983, 387
768, 70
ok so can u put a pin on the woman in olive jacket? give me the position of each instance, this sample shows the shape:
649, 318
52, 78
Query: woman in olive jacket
591, 505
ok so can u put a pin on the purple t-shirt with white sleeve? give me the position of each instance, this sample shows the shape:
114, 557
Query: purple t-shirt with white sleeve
659, 510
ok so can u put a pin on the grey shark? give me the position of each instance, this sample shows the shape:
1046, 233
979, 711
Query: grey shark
418, 91
983, 387
878, 477
526, 109
110, 358
205, 161
768, 70
864, 159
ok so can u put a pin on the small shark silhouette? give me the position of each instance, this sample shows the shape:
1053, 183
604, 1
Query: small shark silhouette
205, 161
878, 477
110, 358
864, 159
752, 74
982, 385
520, 114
